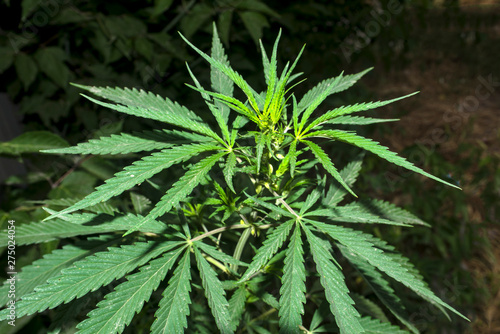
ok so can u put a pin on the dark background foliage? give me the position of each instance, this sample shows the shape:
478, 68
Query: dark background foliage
445, 49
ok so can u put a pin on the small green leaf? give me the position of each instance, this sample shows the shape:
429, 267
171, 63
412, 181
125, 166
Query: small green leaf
26, 69
51, 62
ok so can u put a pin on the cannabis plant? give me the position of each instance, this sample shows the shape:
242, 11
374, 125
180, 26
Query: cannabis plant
256, 232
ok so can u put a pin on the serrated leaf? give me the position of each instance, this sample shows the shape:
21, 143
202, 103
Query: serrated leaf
88, 275
174, 306
327, 164
180, 189
359, 120
237, 306
349, 174
390, 211
360, 243
220, 82
380, 286
381, 151
137, 173
215, 294
336, 291
229, 170
344, 110
346, 82
270, 246
148, 105
293, 286
32, 142
132, 143
374, 326
119, 307
41, 270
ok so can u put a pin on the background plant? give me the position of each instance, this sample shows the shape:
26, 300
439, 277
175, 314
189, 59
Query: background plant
277, 195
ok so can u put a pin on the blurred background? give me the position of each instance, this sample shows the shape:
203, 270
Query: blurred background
447, 50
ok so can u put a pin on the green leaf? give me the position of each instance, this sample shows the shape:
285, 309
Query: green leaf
119, 307
380, 286
344, 83
229, 170
132, 143
390, 211
293, 287
220, 82
374, 326
26, 69
180, 189
32, 142
358, 120
331, 115
139, 202
215, 294
336, 291
232, 74
161, 6
270, 246
349, 174
51, 264
137, 173
360, 244
237, 306
327, 164
148, 105
51, 62
255, 23
88, 275
381, 151
174, 306
6, 58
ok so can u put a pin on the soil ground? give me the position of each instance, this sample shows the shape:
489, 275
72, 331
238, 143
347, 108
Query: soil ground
455, 58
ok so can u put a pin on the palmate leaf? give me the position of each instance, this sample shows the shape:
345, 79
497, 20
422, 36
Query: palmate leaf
174, 306
327, 163
380, 286
148, 105
137, 173
344, 83
132, 143
375, 148
293, 286
119, 307
270, 246
180, 189
88, 275
336, 291
361, 244
41, 270
215, 294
